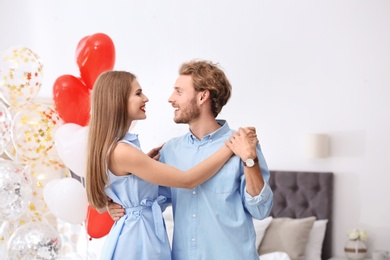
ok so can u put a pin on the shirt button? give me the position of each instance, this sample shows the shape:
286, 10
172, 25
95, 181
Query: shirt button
194, 215
200, 147
193, 239
194, 192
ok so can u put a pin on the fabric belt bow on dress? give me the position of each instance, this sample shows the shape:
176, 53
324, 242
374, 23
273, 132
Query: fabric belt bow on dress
157, 214
137, 211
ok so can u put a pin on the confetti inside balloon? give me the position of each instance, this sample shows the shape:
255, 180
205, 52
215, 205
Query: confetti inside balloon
33, 130
20, 75
5, 127
7, 228
42, 171
34, 240
15, 190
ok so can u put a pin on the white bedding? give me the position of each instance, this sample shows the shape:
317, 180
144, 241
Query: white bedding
275, 256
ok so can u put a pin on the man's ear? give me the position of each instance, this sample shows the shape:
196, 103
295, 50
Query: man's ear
204, 95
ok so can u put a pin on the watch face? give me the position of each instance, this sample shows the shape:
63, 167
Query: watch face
249, 162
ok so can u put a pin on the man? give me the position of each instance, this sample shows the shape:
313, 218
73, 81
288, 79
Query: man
213, 220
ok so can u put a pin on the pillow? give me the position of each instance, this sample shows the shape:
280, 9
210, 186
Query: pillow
275, 256
287, 235
313, 248
260, 228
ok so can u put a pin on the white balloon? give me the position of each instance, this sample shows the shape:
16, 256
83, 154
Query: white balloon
66, 199
71, 143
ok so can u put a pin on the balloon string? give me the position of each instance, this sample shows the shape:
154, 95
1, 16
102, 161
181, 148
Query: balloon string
87, 244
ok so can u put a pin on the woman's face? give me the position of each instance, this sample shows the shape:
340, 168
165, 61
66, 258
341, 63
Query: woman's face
136, 102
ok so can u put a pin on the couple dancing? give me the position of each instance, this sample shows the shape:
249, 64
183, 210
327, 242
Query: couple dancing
215, 178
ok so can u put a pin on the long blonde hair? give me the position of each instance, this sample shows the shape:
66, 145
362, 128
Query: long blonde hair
108, 124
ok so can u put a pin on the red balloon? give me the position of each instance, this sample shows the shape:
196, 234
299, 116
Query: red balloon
98, 225
72, 100
94, 54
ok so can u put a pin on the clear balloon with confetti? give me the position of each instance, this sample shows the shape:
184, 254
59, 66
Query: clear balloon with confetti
34, 240
33, 130
9, 148
20, 75
7, 228
15, 189
5, 127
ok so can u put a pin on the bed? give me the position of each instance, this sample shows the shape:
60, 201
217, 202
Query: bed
300, 223
302, 207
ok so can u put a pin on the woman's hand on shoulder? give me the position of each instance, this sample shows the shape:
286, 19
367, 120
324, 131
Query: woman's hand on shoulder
243, 142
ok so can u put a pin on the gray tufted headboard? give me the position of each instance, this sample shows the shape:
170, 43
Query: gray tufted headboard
304, 194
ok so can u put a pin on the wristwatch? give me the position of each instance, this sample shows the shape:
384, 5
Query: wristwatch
250, 162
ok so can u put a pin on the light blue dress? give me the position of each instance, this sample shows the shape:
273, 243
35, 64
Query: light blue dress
141, 233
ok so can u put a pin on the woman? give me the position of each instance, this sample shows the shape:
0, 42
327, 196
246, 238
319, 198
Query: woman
117, 168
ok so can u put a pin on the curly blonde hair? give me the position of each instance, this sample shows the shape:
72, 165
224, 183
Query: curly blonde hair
207, 75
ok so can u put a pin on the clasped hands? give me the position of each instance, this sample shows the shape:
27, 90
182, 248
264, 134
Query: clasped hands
245, 137
243, 142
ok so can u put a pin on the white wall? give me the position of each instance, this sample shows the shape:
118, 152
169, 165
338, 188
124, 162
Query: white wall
296, 67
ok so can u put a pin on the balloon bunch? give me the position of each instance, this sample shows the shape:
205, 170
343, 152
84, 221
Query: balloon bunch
94, 55
29, 159
40, 150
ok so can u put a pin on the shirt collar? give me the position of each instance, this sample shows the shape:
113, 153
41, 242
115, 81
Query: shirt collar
133, 138
214, 135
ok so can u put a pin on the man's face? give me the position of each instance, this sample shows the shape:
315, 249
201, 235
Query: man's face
184, 100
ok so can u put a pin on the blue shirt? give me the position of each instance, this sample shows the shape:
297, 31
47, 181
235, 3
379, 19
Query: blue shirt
214, 220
